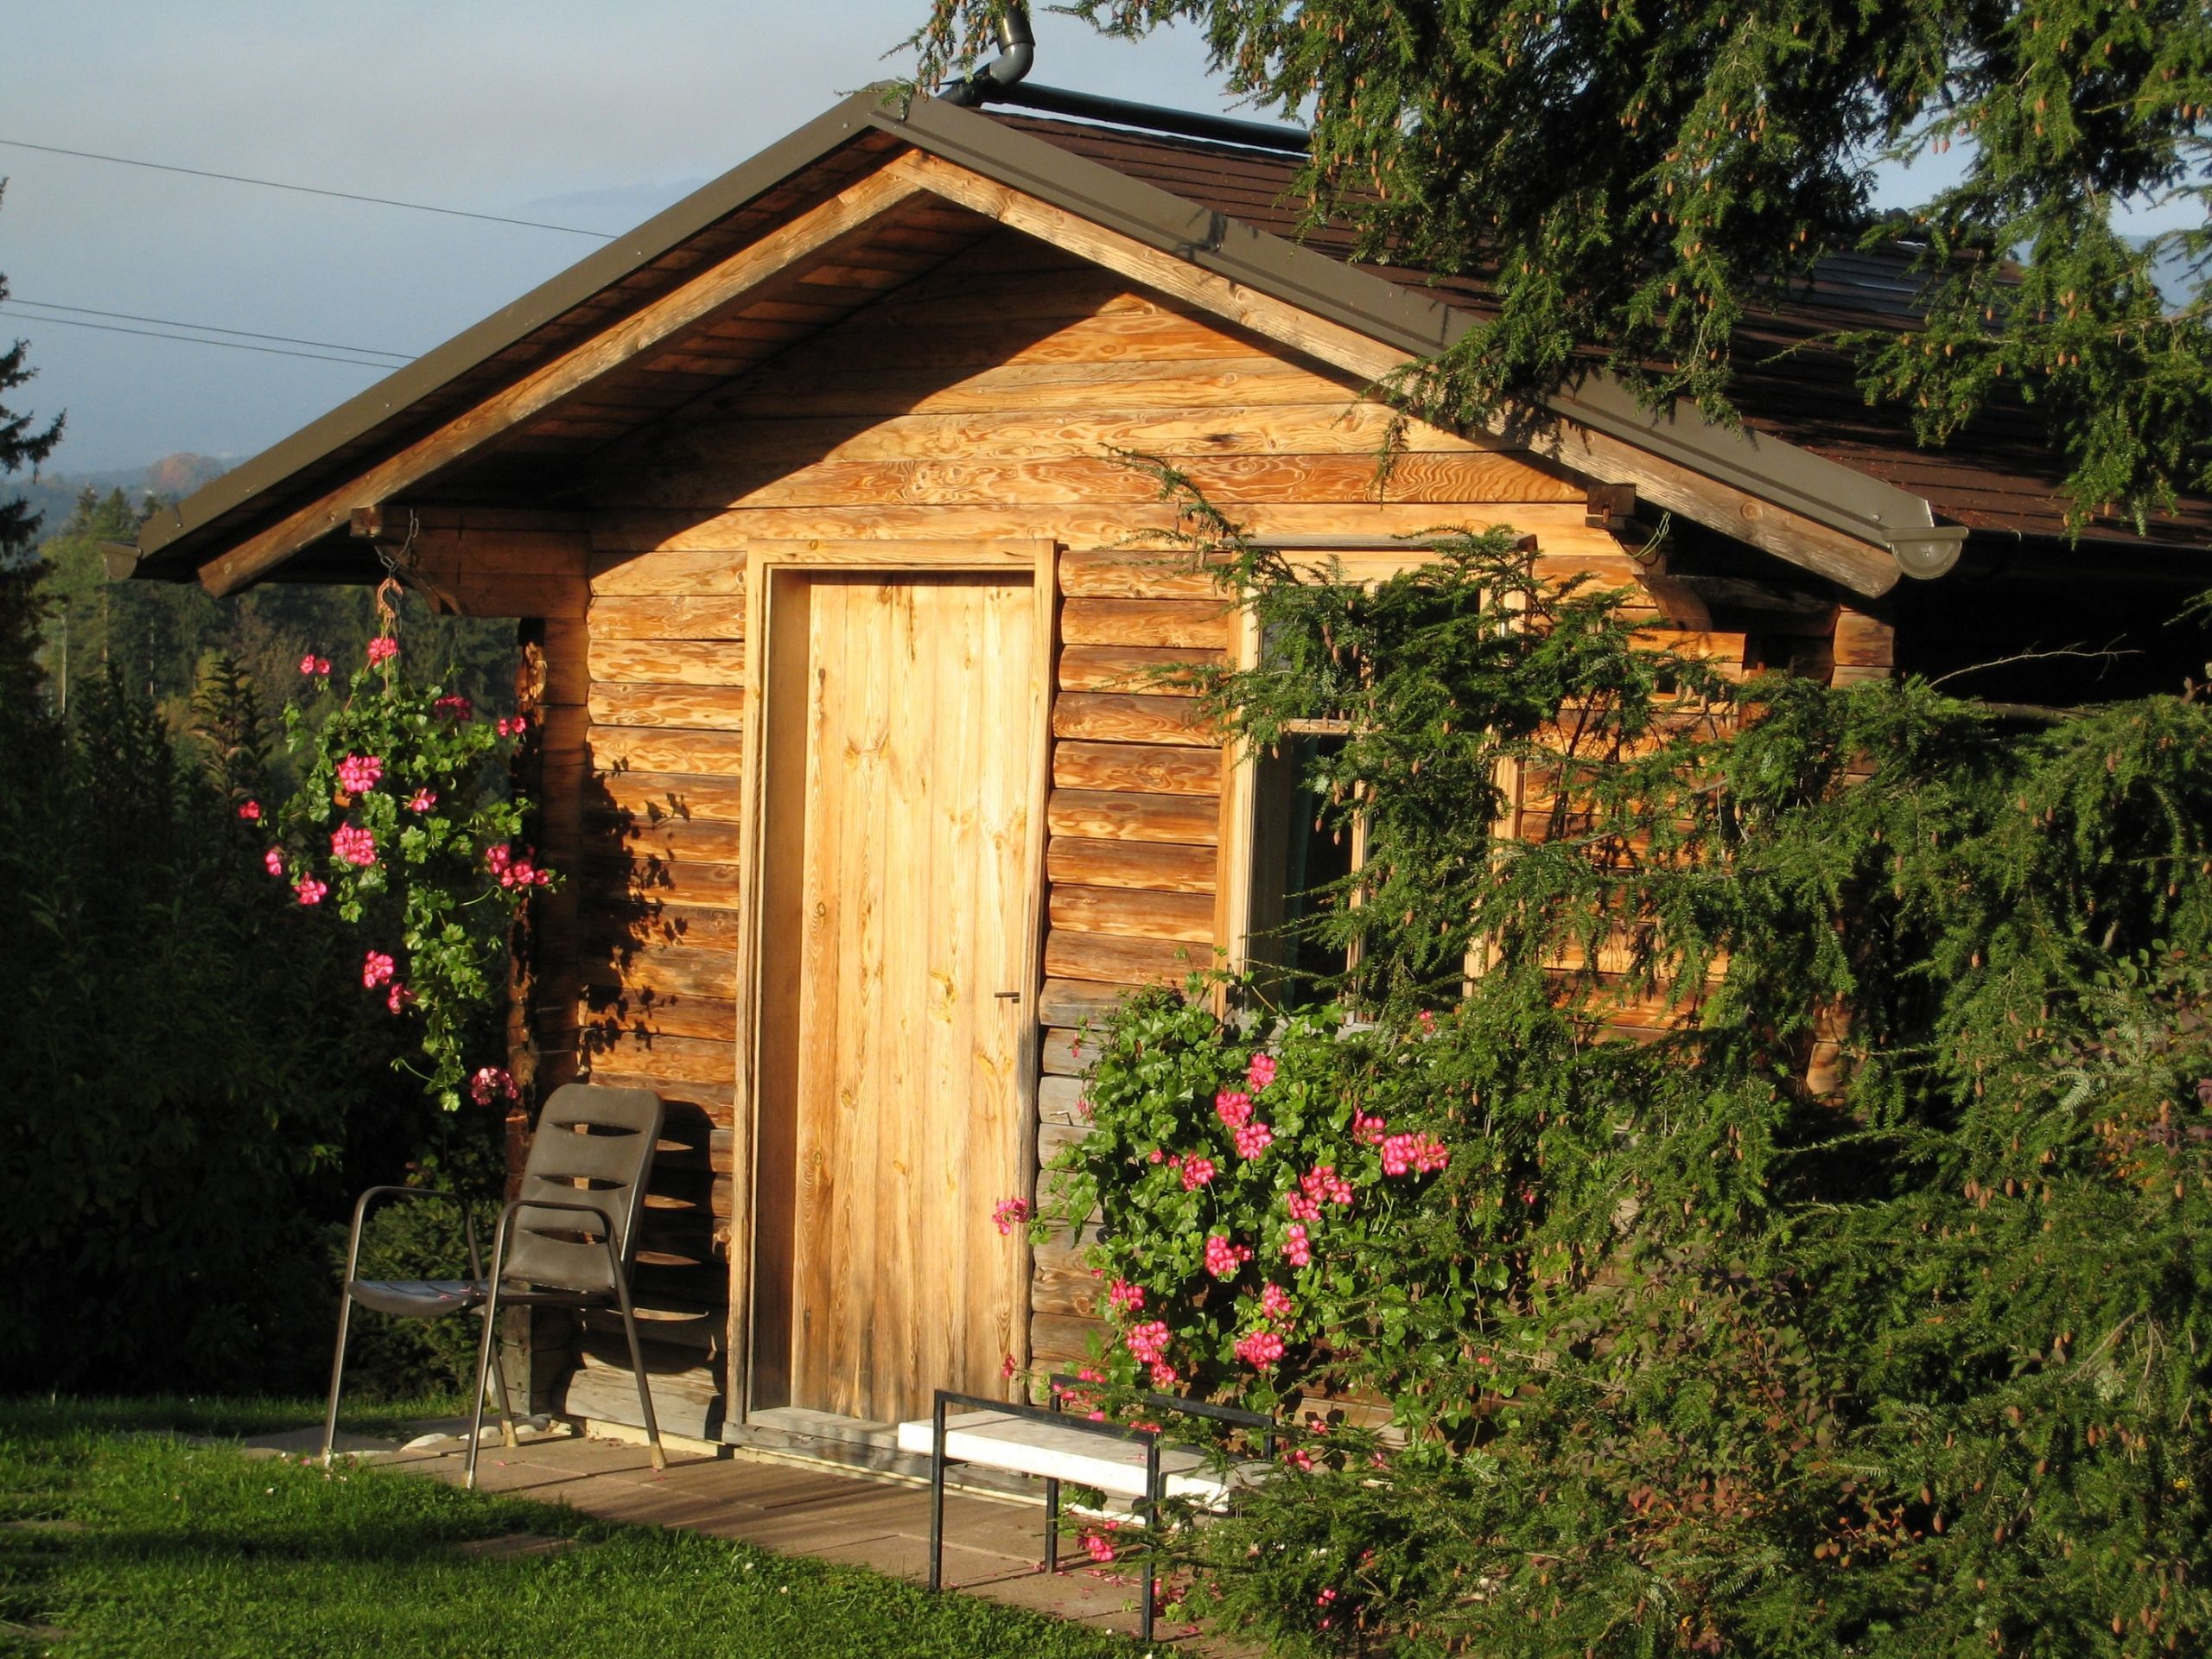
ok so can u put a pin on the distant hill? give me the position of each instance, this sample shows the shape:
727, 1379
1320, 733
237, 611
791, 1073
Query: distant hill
55, 493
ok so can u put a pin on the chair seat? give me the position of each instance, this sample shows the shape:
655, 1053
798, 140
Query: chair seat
418, 1298
998, 1440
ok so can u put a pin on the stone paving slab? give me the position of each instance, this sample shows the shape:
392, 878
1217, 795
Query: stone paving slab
994, 1546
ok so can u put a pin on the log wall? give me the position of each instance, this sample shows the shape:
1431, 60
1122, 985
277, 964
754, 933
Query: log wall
979, 401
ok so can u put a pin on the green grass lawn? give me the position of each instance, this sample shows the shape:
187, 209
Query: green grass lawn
118, 1537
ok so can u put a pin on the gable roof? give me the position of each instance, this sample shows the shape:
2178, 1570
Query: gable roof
1855, 498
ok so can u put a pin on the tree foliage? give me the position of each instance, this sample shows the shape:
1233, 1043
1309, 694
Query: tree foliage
1633, 180
1856, 1306
23, 443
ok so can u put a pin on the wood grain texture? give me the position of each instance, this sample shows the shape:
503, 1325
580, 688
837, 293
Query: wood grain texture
1154, 670
742, 479
1161, 867
652, 796
1186, 916
1071, 1002
1076, 526
716, 573
1144, 768
645, 748
708, 616
1060, 1098
1118, 717
1135, 572
906, 1088
669, 662
664, 835
1123, 961
695, 707
1200, 625
1107, 816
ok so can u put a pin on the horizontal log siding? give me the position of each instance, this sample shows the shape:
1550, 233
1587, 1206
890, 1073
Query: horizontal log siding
979, 401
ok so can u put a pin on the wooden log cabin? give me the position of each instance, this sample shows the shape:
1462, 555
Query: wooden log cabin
806, 495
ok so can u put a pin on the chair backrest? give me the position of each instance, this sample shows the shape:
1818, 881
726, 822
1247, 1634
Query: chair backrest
594, 1146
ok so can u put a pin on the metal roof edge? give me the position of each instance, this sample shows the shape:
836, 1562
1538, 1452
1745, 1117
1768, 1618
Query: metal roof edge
596, 270
1810, 485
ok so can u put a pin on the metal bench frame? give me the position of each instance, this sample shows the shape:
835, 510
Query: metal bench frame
1148, 1505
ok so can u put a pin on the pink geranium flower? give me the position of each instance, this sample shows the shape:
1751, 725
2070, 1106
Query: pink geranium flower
1147, 1343
376, 970
1252, 1139
514, 727
382, 649
1197, 1172
354, 845
273, 861
1260, 1348
1414, 1155
359, 774
1367, 1128
1224, 1258
1009, 1213
1164, 1376
1323, 1185
1261, 1072
1275, 1303
1302, 1208
1295, 1248
313, 664
1096, 1546
1124, 1296
1233, 1108
423, 801
250, 812
310, 890
398, 997
456, 707
489, 1080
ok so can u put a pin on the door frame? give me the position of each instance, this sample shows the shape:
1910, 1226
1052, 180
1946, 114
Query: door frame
773, 572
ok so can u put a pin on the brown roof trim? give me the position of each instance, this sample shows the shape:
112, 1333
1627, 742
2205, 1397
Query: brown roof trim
1865, 509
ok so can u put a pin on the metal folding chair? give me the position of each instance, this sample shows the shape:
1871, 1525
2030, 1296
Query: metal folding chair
568, 1241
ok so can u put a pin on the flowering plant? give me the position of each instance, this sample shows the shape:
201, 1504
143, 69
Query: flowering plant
1243, 1182
403, 823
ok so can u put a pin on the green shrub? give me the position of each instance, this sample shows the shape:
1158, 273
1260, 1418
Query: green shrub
1684, 1354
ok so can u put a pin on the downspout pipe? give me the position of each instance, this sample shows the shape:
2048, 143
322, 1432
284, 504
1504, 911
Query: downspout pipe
1017, 54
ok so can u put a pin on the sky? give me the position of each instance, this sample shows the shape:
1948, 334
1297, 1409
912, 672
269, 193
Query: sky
590, 115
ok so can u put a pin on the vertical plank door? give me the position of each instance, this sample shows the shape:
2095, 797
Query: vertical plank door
904, 1065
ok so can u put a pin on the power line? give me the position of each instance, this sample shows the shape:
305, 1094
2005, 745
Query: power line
304, 189
194, 340
206, 329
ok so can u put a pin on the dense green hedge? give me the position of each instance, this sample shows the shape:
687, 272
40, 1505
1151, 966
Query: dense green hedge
194, 1080
1685, 1356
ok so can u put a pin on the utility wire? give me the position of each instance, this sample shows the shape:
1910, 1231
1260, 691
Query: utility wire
194, 340
205, 328
305, 189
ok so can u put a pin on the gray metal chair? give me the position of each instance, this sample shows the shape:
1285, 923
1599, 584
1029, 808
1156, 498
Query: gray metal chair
567, 1242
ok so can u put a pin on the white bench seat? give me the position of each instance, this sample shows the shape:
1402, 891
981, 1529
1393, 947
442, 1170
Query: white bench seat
1022, 1446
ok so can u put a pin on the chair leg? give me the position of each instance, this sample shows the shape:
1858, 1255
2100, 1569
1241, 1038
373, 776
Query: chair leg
638, 1365
483, 1366
337, 1375
500, 1397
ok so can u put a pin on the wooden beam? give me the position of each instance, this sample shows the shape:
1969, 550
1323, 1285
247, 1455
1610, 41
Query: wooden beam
1860, 566
782, 256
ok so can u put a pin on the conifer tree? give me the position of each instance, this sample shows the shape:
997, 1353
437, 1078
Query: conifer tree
1632, 178
23, 443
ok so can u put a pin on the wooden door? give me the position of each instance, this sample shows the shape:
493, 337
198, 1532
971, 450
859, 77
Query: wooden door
901, 733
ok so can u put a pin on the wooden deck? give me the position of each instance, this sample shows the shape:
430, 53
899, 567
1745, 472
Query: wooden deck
994, 1546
